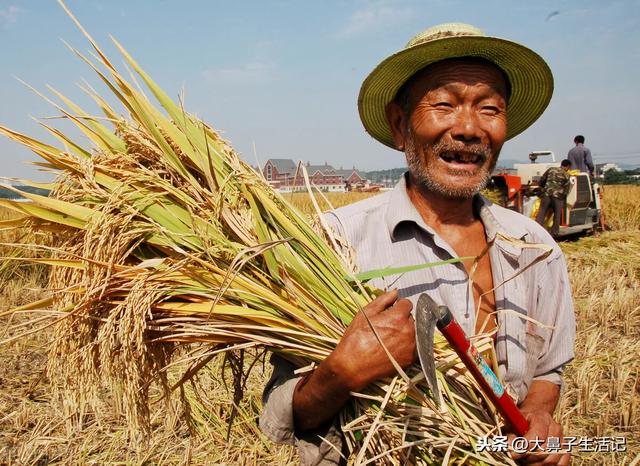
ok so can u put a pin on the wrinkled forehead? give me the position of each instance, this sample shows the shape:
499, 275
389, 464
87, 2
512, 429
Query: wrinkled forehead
468, 70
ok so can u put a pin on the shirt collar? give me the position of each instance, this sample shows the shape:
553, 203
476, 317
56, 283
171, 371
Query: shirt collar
401, 209
495, 221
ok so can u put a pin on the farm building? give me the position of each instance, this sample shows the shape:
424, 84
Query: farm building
602, 168
286, 175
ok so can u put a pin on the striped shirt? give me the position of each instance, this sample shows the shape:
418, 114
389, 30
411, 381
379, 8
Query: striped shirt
388, 231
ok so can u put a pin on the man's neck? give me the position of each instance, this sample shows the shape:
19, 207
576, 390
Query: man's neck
438, 211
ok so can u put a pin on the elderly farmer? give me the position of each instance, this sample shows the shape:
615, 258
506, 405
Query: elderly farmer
449, 100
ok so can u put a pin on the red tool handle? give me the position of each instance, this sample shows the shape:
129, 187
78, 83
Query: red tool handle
481, 371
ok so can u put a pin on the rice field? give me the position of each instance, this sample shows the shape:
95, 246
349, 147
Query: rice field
601, 396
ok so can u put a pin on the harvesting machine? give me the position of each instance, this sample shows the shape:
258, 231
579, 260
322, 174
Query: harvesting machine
518, 189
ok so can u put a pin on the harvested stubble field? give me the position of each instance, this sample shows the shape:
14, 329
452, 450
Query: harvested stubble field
601, 396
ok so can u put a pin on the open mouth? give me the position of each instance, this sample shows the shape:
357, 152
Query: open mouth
462, 158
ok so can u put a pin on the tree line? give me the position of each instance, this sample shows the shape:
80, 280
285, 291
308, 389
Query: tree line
8, 194
622, 176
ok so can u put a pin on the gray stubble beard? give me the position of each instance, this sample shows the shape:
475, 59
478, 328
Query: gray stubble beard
421, 174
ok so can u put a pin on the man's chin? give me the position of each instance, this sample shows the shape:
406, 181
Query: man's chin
447, 181
455, 194
453, 189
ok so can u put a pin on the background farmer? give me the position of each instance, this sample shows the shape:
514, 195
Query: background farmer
555, 186
580, 156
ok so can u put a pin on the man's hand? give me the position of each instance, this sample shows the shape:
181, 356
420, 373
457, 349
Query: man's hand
358, 360
538, 408
360, 357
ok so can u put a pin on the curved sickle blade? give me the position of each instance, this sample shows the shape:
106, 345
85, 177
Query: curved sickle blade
426, 318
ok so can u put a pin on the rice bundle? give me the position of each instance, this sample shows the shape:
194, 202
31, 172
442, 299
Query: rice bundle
163, 239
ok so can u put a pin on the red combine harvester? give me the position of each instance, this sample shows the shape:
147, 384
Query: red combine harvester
518, 189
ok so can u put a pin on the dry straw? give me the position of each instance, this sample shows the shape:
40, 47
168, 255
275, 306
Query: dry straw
163, 240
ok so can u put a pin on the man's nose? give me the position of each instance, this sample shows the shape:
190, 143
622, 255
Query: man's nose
466, 126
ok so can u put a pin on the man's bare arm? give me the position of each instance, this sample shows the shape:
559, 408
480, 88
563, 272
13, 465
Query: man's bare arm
543, 396
358, 360
319, 397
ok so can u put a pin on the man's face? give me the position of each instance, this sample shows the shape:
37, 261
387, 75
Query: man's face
456, 126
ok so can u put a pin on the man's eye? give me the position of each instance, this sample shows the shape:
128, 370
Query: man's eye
490, 109
443, 104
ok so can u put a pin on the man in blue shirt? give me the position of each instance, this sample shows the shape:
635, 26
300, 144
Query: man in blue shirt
580, 156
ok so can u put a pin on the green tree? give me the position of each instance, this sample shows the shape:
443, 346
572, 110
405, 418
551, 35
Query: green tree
618, 177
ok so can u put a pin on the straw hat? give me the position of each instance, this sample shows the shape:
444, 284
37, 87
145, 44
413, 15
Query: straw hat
529, 76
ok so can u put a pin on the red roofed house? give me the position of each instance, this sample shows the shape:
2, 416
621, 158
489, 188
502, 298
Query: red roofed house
285, 175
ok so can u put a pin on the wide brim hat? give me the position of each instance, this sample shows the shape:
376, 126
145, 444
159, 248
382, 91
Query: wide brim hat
530, 79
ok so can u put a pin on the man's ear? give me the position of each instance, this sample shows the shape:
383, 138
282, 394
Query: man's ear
397, 121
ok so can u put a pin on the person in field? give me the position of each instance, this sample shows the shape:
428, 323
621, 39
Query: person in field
555, 184
449, 100
580, 156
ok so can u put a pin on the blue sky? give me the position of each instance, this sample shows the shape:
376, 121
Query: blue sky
285, 74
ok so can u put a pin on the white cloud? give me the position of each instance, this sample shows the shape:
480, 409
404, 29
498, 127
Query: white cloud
258, 67
9, 15
374, 16
253, 72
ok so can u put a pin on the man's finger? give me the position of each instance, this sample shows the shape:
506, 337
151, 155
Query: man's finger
515, 455
565, 460
538, 427
382, 302
403, 306
552, 459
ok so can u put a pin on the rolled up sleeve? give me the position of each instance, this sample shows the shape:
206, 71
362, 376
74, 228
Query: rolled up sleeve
321, 446
553, 377
276, 419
